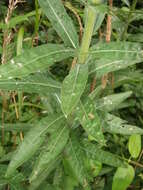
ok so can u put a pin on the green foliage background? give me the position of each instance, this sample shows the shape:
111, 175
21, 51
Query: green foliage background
71, 103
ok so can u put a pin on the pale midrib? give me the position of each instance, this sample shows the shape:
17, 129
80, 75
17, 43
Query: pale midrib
29, 83
108, 64
60, 22
74, 86
80, 168
57, 140
116, 50
50, 124
39, 57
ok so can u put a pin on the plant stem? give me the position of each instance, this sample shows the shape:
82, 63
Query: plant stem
124, 35
89, 26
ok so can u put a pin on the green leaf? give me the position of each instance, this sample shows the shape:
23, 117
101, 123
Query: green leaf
73, 161
134, 145
37, 83
90, 121
95, 152
56, 143
114, 56
45, 173
33, 60
60, 20
116, 125
123, 178
111, 102
100, 15
117, 51
18, 20
32, 141
73, 87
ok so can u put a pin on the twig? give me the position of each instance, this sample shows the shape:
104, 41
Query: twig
6, 41
71, 8
108, 39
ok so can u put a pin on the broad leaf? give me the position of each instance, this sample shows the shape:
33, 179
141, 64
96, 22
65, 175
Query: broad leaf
116, 125
73, 161
90, 121
37, 83
111, 102
60, 20
56, 143
32, 141
33, 60
134, 145
95, 152
123, 178
117, 51
73, 87
44, 174
114, 56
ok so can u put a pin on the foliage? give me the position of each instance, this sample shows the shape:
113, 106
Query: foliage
71, 94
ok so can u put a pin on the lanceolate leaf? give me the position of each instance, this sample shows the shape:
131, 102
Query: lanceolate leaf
90, 121
111, 102
117, 51
73, 87
114, 56
134, 145
100, 15
95, 152
32, 141
123, 178
37, 83
60, 20
51, 150
33, 60
74, 161
44, 174
116, 125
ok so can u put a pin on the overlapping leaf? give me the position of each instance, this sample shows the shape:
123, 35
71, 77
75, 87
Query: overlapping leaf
60, 20
34, 60
51, 150
44, 174
37, 83
74, 161
32, 141
95, 152
114, 56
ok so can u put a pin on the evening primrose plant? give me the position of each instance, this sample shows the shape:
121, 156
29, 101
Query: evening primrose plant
80, 137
